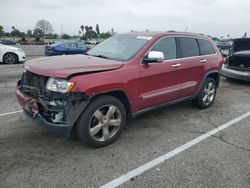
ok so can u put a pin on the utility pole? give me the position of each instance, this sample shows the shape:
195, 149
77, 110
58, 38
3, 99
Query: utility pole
61, 30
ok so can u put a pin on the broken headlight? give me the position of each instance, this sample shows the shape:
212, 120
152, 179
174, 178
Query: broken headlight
59, 85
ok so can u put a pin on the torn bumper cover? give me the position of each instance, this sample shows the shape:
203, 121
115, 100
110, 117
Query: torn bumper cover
56, 112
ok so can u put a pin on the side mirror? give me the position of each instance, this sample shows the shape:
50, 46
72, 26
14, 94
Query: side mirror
153, 57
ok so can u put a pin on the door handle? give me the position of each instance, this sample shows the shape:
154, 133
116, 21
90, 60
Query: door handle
176, 65
203, 61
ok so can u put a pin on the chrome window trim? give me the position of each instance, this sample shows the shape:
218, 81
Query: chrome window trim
182, 58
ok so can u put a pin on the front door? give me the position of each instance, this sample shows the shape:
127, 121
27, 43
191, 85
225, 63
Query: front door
160, 81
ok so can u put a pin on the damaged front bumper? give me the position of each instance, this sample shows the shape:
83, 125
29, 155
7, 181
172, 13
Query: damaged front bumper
56, 112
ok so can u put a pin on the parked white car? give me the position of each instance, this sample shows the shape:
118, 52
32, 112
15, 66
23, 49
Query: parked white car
11, 55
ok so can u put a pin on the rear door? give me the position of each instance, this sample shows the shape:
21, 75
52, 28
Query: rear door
70, 48
82, 48
159, 81
192, 65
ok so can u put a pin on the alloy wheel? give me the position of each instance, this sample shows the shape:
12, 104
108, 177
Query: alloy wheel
209, 93
10, 58
105, 123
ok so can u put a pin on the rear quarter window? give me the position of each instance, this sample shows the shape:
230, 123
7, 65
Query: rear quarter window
188, 47
206, 47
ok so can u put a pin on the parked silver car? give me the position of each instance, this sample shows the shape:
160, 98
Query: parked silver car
238, 62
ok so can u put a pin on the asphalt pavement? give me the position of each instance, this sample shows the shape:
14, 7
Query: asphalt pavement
31, 157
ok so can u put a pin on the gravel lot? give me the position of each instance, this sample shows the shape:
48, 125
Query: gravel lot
31, 157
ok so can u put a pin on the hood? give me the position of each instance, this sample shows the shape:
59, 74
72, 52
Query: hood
66, 65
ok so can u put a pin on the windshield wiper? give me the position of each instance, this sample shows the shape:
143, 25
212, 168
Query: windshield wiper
101, 56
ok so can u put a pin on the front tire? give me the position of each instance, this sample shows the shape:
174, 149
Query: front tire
102, 121
207, 94
10, 58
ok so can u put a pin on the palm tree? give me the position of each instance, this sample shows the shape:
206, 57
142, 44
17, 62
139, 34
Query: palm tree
82, 28
87, 31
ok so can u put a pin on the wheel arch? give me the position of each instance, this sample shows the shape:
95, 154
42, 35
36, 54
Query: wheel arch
10, 53
215, 75
120, 95
211, 74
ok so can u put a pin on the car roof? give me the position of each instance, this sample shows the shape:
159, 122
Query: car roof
162, 33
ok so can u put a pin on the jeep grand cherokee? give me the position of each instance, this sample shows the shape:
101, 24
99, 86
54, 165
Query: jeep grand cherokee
124, 76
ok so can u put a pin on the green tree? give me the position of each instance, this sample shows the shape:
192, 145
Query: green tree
82, 28
29, 33
105, 35
87, 32
1, 31
15, 32
38, 33
66, 36
92, 34
97, 30
22, 34
7, 34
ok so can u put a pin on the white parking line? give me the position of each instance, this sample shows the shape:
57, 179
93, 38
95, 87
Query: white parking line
9, 113
126, 177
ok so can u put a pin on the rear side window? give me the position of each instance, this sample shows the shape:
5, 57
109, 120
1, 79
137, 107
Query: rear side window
82, 45
188, 47
70, 45
206, 47
167, 46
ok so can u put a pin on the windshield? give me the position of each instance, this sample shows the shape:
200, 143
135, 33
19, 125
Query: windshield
121, 48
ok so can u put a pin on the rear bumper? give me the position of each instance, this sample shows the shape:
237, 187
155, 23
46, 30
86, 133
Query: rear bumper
235, 74
58, 119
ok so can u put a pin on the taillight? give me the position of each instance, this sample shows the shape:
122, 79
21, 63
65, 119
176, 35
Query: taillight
49, 47
224, 60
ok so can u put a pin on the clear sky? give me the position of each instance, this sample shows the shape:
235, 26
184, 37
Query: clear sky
214, 17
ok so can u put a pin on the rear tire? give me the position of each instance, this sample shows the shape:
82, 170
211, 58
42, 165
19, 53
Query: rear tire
10, 58
102, 121
207, 94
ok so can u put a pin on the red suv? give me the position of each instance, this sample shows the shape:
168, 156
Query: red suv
122, 77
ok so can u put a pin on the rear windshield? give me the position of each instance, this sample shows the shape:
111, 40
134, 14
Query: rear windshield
121, 47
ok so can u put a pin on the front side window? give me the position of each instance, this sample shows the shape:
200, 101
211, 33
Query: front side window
167, 46
205, 47
120, 47
188, 47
